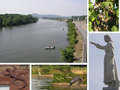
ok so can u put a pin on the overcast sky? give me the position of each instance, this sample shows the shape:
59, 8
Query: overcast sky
57, 7
96, 59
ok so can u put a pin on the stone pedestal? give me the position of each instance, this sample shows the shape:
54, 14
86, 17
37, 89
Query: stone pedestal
110, 88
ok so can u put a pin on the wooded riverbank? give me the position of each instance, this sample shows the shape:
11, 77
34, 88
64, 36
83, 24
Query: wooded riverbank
16, 19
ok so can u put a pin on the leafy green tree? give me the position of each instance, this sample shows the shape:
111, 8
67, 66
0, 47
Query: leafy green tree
67, 53
104, 15
16, 19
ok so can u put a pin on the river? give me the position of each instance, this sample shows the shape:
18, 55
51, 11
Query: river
25, 43
47, 84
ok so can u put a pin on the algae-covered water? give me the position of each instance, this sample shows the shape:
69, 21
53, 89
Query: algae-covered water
46, 84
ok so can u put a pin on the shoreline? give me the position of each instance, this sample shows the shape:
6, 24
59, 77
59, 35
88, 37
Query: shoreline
60, 19
62, 85
66, 85
43, 76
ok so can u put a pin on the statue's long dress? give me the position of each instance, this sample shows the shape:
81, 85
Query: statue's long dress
109, 73
110, 70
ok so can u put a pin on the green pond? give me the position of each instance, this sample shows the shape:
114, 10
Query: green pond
46, 84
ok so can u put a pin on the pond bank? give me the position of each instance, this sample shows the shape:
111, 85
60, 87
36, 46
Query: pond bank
44, 76
52, 75
66, 85
61, 85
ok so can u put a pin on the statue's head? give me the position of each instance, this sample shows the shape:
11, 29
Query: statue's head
107, 38
8, 69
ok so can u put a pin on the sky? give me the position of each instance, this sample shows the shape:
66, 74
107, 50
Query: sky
96, 59
57, 7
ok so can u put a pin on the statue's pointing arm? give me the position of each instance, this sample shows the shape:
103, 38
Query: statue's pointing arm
98, 45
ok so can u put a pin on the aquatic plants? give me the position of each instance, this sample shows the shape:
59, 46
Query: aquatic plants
66, 78
62, 73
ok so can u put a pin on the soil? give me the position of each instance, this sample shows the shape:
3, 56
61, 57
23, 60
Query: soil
78, 48
79, 45
66, 85
79, 71
44, 76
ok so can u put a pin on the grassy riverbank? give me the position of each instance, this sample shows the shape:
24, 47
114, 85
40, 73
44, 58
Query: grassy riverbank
67, 53
61, 73
73, 52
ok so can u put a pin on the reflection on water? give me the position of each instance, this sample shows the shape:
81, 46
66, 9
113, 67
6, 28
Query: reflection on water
26, 43
0, 28
41, 84
46, 84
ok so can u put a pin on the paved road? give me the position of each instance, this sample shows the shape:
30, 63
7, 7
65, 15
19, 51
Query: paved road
82, 27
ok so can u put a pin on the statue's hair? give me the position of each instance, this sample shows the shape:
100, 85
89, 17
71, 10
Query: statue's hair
108, 37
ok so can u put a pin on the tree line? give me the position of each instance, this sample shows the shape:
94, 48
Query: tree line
67, 53
16, 19
80, 18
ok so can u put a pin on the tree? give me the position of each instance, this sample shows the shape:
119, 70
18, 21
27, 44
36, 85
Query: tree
16, 19
67, 54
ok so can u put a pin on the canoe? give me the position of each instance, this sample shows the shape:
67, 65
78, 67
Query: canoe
49, 47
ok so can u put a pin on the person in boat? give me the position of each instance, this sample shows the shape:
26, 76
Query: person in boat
50, 47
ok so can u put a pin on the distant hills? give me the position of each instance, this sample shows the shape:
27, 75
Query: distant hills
48, 16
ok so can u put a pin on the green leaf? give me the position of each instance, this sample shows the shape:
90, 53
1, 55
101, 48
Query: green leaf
90, 27
89, 13
92, 18
114, 28
96, 1
117, 13
98, 22
107, 4
90, 5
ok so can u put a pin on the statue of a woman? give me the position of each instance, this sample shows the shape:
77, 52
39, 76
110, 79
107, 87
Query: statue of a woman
110, 70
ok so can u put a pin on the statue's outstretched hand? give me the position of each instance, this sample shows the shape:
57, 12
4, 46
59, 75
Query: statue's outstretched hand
92, 42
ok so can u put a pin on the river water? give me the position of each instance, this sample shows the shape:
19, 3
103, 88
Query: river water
25, 43
46, 84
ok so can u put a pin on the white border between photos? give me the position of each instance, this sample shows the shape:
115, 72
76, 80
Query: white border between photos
87, 45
